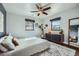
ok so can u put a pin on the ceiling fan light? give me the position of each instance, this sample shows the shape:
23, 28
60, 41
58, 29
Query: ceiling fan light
40, 12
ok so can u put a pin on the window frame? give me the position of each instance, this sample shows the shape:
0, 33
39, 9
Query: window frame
27, 25
54, 26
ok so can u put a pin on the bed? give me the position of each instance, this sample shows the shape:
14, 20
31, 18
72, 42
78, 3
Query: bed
28, 46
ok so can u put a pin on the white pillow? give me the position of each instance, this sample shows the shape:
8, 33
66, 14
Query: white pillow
8, 42
2, 38
3, 49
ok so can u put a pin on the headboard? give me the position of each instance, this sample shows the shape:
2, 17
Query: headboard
2, 11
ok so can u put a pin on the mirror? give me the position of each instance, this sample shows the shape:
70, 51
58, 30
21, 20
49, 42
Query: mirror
73, 39
1, 23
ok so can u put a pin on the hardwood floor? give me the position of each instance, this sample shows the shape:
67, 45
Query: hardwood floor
77, 52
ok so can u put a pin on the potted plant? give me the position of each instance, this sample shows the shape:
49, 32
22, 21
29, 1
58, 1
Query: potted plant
61, 31
42, 27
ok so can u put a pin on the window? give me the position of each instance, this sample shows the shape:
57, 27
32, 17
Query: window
55, 24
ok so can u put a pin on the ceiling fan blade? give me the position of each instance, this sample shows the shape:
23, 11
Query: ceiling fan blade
34, 11
46, 8
45, 13
38, 14
37, 6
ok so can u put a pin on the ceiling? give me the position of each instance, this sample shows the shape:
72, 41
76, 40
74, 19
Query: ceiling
25, 8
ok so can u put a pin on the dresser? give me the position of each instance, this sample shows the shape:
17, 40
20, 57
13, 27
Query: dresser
59, 38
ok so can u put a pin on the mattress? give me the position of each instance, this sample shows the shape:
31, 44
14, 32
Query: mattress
28, 46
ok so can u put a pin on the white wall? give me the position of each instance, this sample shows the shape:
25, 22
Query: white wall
16, 26
16, 23
65, 16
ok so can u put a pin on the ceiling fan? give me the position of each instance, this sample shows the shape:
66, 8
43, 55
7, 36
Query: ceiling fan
42, 9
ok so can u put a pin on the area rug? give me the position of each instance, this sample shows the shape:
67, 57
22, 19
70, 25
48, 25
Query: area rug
57, 50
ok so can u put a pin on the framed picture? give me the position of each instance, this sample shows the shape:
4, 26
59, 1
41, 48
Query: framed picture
29, 25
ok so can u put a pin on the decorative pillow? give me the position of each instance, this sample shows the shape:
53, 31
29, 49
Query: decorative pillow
2, 38
3, 49
7, 46
15, 41
7, 43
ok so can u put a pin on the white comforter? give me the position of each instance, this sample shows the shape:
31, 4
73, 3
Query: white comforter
28, 46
